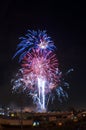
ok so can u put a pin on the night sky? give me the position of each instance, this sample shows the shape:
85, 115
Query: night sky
65, 23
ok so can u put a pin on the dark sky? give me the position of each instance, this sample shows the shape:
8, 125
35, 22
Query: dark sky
64, 21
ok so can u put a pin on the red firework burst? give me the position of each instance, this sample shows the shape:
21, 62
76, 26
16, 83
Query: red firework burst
40, 64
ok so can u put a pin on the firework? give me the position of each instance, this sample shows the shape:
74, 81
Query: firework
34, 39
39, 75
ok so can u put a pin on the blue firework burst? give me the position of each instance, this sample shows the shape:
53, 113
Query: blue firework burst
34, 39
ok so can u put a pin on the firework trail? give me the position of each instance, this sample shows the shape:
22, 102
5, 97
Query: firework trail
39, 75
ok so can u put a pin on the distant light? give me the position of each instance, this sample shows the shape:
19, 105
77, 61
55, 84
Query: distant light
12, 115
36, 123
84, 115
2, 113
59, 123
8, 108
